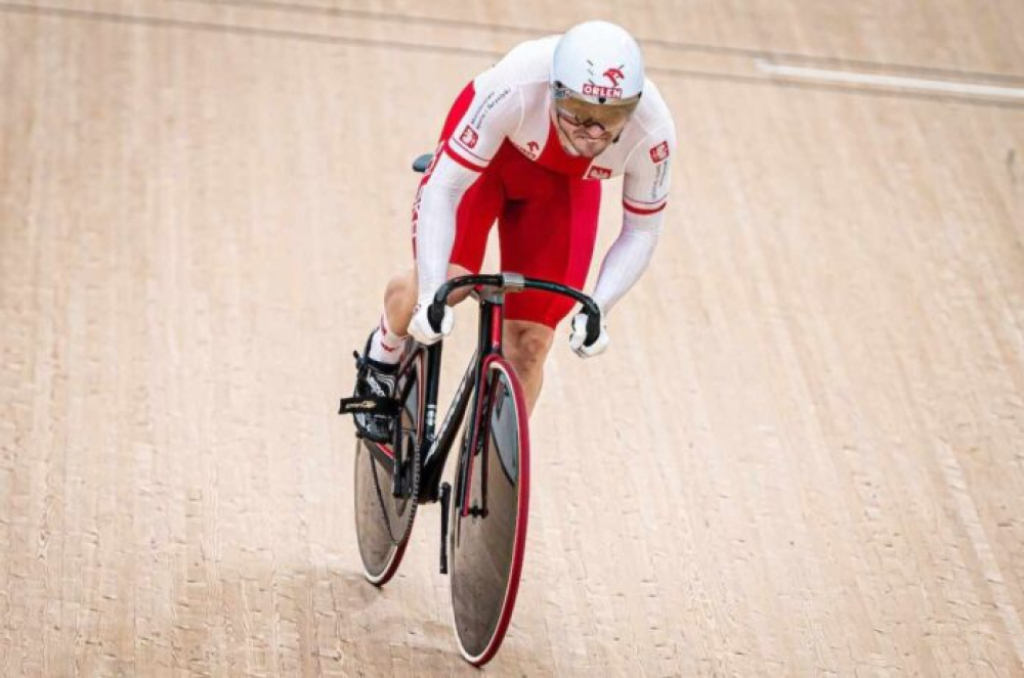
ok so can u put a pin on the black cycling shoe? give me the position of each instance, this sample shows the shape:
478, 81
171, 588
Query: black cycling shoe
375, 381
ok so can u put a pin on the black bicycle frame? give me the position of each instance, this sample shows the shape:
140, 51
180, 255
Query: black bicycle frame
436, 447
434, 444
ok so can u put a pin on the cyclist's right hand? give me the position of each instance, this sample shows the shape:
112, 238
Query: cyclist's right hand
420, 328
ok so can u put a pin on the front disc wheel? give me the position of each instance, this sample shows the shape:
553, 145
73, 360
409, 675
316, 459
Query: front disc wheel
489, 516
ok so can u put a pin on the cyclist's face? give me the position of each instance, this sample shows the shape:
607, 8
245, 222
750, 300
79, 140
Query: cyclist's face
587, 141
588, 129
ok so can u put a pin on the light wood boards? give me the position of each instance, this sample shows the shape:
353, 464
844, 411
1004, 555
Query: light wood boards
802, 456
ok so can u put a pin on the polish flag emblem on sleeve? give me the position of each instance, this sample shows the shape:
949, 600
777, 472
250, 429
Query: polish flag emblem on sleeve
469, 137
659, 152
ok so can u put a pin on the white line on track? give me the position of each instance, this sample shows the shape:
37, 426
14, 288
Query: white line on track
855, 78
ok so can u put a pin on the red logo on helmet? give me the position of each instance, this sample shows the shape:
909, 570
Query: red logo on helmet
469, 137
597, 172
659, 152
590, 89
614, 74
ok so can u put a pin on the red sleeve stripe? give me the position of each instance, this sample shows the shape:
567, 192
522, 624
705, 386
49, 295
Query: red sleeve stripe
462, 161
467, 152
637, 210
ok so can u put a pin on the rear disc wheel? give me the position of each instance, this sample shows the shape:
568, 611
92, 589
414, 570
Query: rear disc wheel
384, 521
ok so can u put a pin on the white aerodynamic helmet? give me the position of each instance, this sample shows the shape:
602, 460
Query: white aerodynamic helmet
599, 62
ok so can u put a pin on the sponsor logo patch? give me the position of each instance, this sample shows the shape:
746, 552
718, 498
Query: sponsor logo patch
614, 74
659, 152
597, 172
469, 137
590, 89
531, 150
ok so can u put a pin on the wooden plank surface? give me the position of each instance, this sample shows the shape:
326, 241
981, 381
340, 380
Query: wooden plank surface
803, 454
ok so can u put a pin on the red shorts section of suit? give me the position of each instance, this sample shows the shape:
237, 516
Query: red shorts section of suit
546, 213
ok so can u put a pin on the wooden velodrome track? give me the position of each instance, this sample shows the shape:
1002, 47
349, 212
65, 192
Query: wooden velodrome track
802, 456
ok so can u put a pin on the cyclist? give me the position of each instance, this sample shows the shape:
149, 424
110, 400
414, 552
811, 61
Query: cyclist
527, 143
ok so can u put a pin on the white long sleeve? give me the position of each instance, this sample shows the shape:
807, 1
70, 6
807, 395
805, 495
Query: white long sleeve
436, 208
627, 258
645, 192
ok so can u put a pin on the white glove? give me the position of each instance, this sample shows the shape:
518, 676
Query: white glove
579, 335
420, 328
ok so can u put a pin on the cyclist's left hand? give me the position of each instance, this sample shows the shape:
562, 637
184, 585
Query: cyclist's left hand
579, 336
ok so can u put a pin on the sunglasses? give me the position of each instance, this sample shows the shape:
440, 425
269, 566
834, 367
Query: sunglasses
581, 113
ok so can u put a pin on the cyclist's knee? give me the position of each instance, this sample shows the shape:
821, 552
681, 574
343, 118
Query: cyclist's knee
529, 344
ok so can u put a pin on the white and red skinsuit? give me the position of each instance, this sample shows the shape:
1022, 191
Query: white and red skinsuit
499, 158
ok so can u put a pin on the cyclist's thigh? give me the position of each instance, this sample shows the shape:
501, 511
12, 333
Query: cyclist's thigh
550, 236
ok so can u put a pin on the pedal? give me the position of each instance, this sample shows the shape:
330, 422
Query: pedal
369, 405
446, 496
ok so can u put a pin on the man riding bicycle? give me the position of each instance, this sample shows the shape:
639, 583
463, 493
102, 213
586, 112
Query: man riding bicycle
527, 143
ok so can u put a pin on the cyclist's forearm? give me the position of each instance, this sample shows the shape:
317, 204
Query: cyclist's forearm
435, 224
627, 258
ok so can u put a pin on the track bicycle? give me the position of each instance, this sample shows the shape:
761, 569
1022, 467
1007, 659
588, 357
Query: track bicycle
484, 514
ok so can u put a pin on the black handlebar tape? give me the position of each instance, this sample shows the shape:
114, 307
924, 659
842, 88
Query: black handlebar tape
435, 314
593, 327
